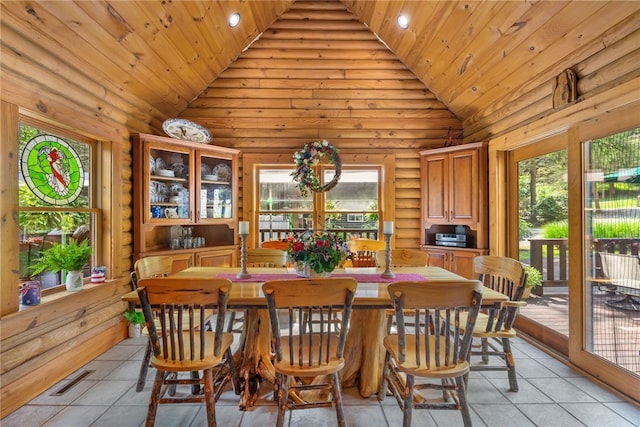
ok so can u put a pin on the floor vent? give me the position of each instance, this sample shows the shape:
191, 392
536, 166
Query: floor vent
62, 390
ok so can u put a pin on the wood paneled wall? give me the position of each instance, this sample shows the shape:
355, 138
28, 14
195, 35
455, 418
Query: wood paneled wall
319, 73
315, 73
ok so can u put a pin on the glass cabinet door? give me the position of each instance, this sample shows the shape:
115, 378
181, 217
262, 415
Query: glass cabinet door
215, 198
169, 198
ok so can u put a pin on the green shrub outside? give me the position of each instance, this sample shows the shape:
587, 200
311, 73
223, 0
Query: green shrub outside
601, 230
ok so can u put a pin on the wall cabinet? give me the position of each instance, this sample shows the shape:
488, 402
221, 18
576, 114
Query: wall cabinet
185, 201
454, 200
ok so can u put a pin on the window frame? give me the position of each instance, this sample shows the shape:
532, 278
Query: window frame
253, 160
95, 209
318, 211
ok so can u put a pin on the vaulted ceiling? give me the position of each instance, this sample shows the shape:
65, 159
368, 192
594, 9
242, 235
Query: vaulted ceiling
153, 58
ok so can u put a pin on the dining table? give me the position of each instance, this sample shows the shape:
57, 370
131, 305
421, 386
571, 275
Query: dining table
364, 350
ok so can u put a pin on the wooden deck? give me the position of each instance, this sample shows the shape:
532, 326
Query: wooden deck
615, 331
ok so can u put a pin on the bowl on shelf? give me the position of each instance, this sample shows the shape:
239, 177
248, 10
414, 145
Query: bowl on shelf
210, 177
165, 172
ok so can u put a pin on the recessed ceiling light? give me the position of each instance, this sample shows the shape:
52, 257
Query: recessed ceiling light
403, 21
234, 20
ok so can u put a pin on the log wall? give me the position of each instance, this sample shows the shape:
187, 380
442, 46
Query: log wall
315, 73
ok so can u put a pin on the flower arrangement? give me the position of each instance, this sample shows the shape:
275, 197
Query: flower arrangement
321, 250
309, 157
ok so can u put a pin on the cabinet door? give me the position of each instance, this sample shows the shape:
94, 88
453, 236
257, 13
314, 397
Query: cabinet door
461, 263
463, 196
215, 198
435, 189
181, 262
217, 258
438, 258
166, 185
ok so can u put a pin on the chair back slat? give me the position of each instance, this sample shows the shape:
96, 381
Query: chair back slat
437, 305
311, 304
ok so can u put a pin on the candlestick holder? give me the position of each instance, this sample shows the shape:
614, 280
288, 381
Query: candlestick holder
243, 274
388, 274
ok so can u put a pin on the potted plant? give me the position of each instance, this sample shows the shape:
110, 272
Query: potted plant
136, 320
534, 279
71, 256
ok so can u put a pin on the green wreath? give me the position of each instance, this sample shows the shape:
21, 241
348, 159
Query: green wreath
307, 159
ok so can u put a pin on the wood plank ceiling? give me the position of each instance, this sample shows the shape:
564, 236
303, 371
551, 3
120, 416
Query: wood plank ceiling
141, 62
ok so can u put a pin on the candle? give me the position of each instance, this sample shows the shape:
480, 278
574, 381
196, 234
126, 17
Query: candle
388, 227
243, 227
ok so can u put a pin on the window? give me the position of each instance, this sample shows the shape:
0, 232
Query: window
351, 208
56, 196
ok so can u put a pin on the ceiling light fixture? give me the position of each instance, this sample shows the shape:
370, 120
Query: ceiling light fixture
403, 21
234, 20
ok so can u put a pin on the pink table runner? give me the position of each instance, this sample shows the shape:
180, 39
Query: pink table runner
361, 278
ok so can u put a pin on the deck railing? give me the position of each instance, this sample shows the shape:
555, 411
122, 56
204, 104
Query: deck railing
344, 233
550, 257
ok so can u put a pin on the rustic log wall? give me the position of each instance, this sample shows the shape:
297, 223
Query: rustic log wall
317, 72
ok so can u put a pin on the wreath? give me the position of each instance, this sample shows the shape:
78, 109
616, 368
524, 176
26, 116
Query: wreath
309, 157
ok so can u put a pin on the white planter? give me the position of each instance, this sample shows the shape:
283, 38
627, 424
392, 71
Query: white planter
74, 281
134, 330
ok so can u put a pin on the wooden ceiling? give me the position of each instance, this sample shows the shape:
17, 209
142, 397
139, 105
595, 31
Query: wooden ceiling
151, 59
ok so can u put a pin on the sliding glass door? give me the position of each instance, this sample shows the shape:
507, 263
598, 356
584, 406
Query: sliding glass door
539, 190
611, 230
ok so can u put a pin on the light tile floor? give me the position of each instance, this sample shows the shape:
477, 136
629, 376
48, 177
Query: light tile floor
551, 394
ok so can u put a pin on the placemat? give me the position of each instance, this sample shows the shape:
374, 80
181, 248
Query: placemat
375, 278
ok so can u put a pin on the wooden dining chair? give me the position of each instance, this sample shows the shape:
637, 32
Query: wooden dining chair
314, 350
256, 257
174, 310
401, 258
363, 251
145, 268
275, 244
266, 257
494, 327
434, 356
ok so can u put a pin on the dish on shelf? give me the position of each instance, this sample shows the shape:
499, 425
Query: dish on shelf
210, 177
160, 164
179, 169
205, 169
165, 172
223, 171
176, 189
152, 165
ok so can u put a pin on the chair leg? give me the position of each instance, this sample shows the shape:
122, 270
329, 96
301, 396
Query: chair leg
195, 388
144, 367
283, 392
408, 401
337, 399
461, 384
209, 399
485, 350
511, 364
382, 392
154, 398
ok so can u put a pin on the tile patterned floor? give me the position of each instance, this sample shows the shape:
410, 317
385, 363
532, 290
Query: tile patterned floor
551, 394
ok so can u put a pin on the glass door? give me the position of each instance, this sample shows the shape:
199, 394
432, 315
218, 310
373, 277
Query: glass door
538, 177
611, 230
